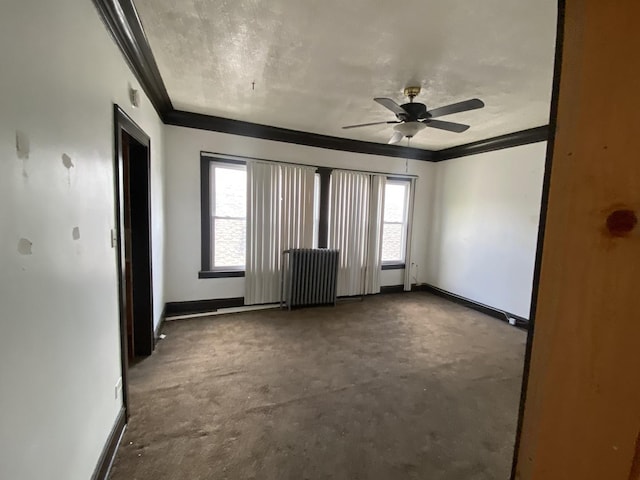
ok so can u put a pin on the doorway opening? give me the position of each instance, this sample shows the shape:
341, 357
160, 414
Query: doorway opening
133, 241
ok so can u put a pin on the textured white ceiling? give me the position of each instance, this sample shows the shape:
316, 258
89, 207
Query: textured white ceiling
318, 64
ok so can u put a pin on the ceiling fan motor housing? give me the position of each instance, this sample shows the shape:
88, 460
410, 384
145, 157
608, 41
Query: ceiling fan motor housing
415, 111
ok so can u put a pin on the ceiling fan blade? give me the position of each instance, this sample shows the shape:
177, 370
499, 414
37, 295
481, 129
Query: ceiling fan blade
391, 105
457, 107
449, 126
369, 124
397, 136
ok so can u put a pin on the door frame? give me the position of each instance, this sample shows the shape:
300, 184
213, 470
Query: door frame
123, 123
542, 222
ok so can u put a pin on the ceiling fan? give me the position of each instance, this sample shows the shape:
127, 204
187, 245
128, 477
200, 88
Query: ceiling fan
413, 117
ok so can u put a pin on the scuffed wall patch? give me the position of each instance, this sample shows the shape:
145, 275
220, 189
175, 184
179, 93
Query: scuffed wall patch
67, 162
75, 233
22, 145
24, 246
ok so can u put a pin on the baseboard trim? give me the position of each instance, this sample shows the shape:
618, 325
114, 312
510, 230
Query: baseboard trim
158, 329
174, 309
110, 448
480, 307
394, 289
419, 287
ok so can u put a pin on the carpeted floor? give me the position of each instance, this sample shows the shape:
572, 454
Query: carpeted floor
394, 387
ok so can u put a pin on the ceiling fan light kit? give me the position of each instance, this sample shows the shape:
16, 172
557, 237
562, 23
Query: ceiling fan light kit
409, 129
412, 117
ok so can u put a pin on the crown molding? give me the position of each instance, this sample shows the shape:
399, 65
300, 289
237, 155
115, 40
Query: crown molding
123, 22
277, 134
515, 139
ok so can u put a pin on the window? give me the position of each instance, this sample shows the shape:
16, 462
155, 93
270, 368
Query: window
228, 216
394, 229
224, 222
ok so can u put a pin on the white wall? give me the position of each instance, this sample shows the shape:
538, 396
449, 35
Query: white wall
475, 222
485, 216
182, 148
59, 345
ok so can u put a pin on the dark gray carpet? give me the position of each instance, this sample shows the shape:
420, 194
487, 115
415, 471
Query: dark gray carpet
394, 387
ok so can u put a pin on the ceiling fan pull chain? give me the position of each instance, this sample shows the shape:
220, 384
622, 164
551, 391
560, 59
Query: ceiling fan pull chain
406, 162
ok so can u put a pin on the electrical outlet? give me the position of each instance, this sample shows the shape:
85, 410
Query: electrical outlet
118, 388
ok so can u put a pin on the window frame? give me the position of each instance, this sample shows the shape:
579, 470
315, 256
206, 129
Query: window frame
398, 264
207, 162
317, 208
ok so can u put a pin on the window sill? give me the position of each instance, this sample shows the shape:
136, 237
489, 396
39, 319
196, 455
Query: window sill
393, 266
221, 274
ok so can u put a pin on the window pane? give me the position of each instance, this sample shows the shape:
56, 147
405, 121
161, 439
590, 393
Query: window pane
394, 199
230, 192
392, 244
229, 242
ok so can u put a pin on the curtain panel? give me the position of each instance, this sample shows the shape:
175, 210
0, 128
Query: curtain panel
355, 228
279, 217
407, 259
374, 240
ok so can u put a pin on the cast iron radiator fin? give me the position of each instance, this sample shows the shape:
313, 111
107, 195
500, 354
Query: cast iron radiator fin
309, 276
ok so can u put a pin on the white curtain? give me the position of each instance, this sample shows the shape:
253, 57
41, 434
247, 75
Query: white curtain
279, 217
296, 206
348, 228
374, 242
407, 261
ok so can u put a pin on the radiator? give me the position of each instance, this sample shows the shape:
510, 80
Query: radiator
309, 277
